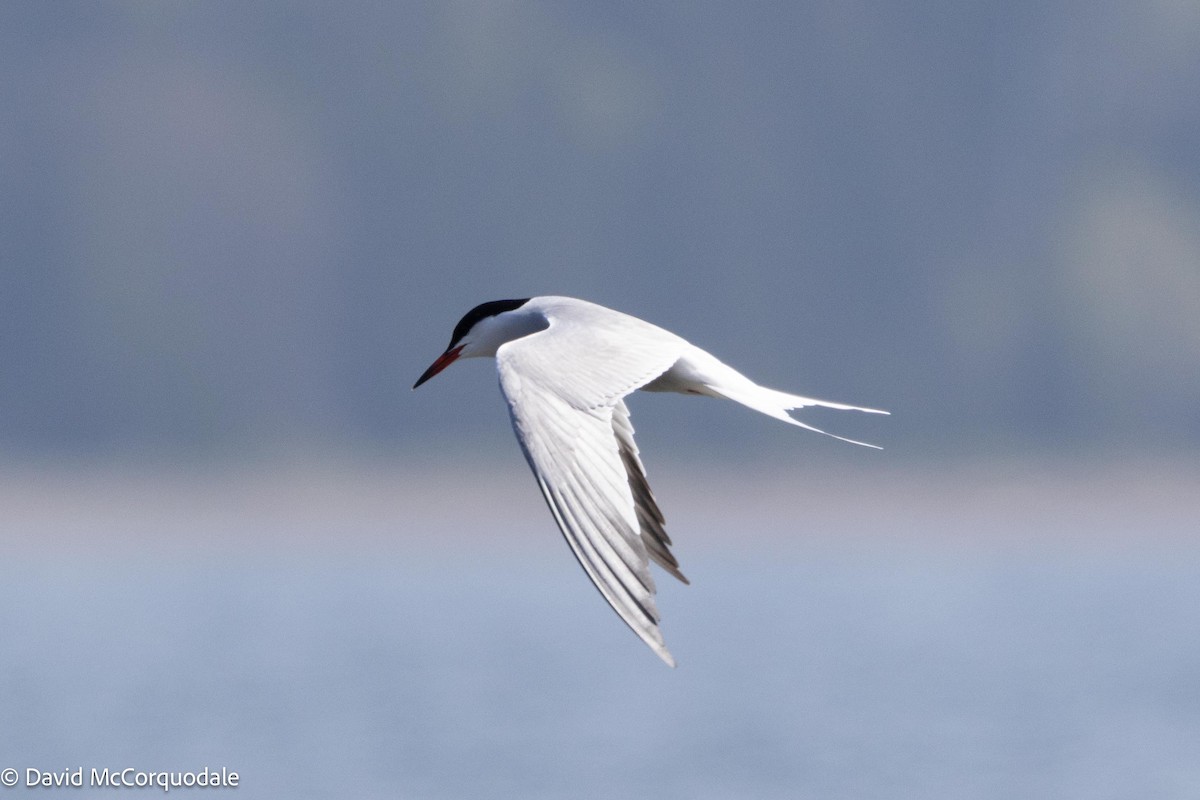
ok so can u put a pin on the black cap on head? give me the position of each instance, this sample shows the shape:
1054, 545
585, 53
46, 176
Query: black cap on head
488, 309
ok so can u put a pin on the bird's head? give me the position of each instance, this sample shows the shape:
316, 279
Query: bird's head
483, 329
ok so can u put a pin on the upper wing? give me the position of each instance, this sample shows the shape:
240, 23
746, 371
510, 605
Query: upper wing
564, 387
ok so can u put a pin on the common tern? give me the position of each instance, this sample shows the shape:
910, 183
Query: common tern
565, 366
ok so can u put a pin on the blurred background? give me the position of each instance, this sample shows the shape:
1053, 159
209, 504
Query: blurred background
232, 234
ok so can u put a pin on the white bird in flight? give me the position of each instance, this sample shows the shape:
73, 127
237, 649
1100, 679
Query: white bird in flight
565, 366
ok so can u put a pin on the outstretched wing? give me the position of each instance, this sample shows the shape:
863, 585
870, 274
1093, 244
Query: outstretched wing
564, 387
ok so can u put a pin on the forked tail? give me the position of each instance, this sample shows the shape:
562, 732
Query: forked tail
699, 372
777, 404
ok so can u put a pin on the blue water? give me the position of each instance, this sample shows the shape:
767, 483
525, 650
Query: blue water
815, 669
